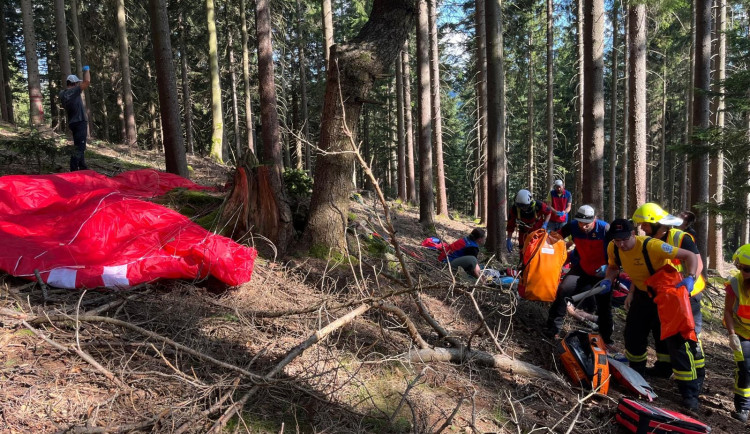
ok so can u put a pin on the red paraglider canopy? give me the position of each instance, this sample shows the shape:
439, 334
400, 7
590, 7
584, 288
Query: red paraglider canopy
84, 230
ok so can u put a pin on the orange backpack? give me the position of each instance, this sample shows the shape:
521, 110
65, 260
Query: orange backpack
584, 358
543, 257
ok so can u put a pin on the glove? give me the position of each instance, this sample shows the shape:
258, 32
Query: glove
606, 286
509, 244
544, 226
561, 214
734, 343
601, 271
688, 283
85, 68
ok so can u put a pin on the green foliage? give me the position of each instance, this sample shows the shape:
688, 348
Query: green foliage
298, 183
33, 147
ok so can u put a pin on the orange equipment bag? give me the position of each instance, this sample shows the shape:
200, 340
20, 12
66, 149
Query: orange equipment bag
584, 358
543, 257
672, 303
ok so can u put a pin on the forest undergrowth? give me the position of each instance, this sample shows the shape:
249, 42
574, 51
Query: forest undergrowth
345, 344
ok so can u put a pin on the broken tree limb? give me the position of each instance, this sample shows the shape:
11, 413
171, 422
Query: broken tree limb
505, 363
291, 355
410, 327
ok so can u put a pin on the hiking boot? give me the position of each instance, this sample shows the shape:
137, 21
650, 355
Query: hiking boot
741, 415
690, 404
659, 371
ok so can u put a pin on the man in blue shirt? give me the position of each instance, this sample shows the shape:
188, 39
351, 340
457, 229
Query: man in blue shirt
73, 103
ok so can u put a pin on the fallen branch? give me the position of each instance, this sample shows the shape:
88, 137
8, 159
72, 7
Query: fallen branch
410, 327
505, 363
291, 355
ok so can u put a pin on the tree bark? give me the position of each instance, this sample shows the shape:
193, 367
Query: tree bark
217, 135
327, 19
437, 132
593, 103
702, 84
530, 113
612, 188
481, 84
715, 229
246, 80
166, 80
235, 105
63, 50
131, 135
353, 69
637, 107
270, 122
305, 130
496, 186
426, 195
581, 78
400, 129
187, 103
625, 162
36, 108
550, 94
5, 82
411, 179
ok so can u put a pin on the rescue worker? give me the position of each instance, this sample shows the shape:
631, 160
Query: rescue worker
737, 322
640, 257
589, 235
463, 253
657, 223
560, 200
529, 215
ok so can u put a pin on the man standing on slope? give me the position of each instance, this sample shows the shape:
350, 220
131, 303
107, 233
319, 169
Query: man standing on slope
641, 257
73, 103
560, 200
529, 215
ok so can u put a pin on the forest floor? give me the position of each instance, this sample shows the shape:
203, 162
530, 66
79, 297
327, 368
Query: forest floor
175, 355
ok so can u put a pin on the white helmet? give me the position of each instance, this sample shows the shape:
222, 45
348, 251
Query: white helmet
523, 197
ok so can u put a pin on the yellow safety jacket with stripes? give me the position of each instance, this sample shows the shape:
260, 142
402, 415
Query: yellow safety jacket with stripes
675, 237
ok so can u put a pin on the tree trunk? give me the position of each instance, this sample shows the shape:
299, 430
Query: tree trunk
411, 179
349, 80
166, 80
5, 83
550, 94
131, 135
3, 99
702, 83
235, 107
685, 184
530, 113
437, 132
36, 108
327, 19
217, 135
593, 103
246, 80
187, 104
625, 163
581, 79
663, 135
400, 130
481, 157
305, 130
496, 188
282, 234
637, 115
426, 195
715, 230
78, 52
61, 29
612, 188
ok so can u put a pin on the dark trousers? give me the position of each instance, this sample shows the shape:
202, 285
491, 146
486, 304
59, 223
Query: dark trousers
742, 377
80, 131
642, 320
576, 282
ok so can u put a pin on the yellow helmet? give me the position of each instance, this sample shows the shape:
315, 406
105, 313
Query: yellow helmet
653, 213
742, 255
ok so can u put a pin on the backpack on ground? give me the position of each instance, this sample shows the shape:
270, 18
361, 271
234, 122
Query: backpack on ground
638, 417
543, 257
584, 358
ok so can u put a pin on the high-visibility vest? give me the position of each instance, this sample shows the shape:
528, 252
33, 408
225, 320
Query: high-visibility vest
675, 237
741, 308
